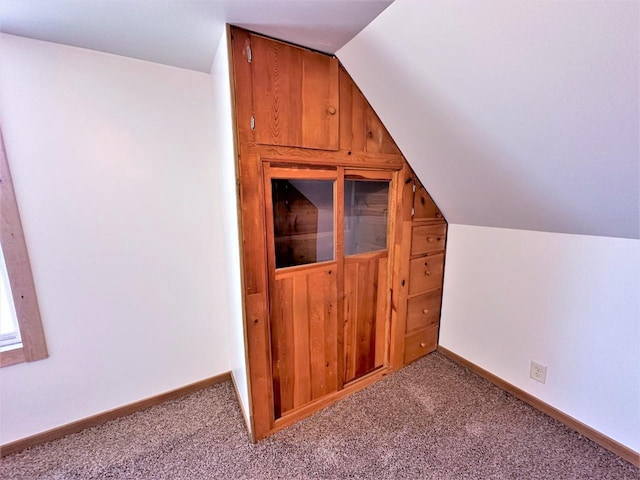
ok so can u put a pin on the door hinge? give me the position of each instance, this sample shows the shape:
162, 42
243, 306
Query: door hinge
413, 211
414, 187
249, 55
253, 122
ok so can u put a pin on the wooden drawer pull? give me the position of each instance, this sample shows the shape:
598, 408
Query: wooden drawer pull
331, 110
422, 344
430, 239
425, 311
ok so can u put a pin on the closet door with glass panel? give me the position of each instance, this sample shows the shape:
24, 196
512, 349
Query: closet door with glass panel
366, 276
328, 279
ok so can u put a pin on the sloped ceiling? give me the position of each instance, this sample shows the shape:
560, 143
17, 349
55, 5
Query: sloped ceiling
522, 115
184, 33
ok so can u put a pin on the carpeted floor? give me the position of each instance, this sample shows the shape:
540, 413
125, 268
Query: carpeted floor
432, 420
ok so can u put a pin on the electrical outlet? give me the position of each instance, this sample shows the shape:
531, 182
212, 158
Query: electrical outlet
538, 372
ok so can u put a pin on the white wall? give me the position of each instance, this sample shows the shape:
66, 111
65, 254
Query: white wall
225, 159
525, 115
515, 114
570, 302
113, 161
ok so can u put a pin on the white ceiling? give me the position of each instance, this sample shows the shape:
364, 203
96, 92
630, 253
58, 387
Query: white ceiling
184, 33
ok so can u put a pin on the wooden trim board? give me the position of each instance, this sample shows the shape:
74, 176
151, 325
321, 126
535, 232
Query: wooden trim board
16, 258
245, 417
100, 418
610, 444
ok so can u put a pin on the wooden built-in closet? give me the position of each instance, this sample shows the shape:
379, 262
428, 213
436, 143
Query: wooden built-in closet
342, 247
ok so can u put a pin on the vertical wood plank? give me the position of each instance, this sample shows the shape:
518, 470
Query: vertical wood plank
339, 274
366, 305
317, 300
241, 85
346, 106
350, 320
331, 333
320, 101
404, 203
378, 139
381, 313
276, 73
300, 322
359, 123
424, 206
282, 342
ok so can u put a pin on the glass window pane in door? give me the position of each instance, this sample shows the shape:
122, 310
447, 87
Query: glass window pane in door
366, 212
303, 221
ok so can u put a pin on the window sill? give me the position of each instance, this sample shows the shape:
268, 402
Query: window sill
11, 357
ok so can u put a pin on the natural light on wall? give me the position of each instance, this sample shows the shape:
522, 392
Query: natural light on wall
9, 330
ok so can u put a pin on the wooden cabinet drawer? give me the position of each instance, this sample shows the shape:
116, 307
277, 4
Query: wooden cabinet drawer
420, 343
423, 311
428, 238
425, 273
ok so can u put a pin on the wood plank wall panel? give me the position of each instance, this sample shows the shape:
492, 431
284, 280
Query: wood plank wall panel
364, 318
361, 130
304, 326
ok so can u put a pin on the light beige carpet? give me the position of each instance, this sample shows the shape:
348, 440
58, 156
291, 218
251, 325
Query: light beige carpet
432, 420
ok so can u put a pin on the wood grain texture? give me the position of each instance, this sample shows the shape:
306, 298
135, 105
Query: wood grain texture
104, 417
241, 85
304, 325
285, 94
601, 439
423, 310
426, 273
428, 239
401, 267
12, 357
419, 343
14, 249
365, 313
360, 127
295, 96
329, 399
424, 206
321, 158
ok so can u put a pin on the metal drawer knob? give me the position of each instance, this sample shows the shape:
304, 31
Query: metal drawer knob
422, 344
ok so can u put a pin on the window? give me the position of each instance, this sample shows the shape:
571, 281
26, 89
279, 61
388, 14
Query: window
366, 207
302, 221
9, 329
21, 334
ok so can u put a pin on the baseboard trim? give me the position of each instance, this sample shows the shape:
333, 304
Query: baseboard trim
100, 418
610, 444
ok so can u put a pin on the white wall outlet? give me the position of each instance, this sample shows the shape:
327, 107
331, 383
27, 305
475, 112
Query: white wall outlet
538, 372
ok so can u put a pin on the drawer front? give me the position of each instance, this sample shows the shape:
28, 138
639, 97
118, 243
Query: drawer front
423, 311
425, 273
419, 343
428, 238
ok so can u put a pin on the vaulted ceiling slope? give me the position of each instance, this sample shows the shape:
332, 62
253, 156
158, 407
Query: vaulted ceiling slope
184, 33
521, 115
